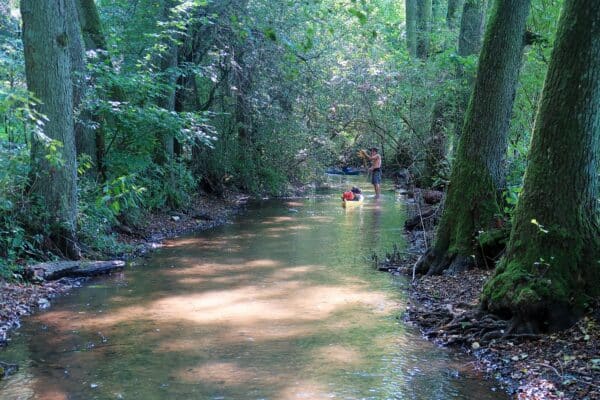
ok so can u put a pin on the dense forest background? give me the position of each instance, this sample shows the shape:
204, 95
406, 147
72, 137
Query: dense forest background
112, 109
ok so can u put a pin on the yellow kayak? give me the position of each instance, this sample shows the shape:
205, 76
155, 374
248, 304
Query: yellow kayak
352, 203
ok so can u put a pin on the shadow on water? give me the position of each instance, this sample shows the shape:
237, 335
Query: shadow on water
280, 305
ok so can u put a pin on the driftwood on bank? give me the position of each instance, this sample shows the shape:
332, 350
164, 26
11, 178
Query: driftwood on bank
72, 269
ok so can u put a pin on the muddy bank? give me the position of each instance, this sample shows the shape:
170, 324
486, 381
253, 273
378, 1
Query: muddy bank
204, 212
565, 365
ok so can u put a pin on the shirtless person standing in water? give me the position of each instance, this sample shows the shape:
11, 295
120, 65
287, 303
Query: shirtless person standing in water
375, 170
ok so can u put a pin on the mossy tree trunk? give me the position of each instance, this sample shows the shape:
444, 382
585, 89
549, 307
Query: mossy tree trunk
411, 27
553, 257
48, 72
478, 174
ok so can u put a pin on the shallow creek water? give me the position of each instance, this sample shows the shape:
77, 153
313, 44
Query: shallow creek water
281, 304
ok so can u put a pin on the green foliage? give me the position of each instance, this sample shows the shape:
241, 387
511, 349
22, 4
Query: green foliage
268, 94
16, 243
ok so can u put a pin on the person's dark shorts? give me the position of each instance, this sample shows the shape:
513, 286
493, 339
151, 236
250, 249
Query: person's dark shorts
376, 178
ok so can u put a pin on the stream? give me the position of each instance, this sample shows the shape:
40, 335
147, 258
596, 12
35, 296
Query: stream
282, 303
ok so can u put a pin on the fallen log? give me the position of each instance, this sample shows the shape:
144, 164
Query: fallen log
51, 271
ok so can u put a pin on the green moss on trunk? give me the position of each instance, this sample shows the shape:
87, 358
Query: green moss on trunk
552, 264
478, 172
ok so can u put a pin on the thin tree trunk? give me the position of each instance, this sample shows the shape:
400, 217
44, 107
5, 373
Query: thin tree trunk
91, 25
469, 43
471, 27
424, 12
478, 172
445, 114
552, 261
94, 39
85, 140
48, 71
454, 7
168, 62
411, 27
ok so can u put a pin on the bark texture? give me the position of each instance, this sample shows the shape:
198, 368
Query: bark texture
553, 257
48, 70
478, 173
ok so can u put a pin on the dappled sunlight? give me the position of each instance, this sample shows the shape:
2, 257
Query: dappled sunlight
226, 373
305, 390
320, 218
294, 203
262, 263
51, 394
337, 354
278, 220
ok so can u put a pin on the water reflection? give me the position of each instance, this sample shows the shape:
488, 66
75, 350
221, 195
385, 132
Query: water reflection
281, 305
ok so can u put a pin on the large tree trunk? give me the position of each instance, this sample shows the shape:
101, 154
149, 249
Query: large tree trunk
48, 70
424, 16
553, 257
478, 173
411, 27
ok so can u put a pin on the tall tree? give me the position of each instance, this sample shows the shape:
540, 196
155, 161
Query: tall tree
454, 7
85, 140
446, 114
94, 39
478, 173
424, 18
469, 43
167, 64
411, 26
48, 71
471, 27
553, 258
91, 25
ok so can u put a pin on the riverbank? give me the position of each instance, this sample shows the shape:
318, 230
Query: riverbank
204, 212
564, 365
